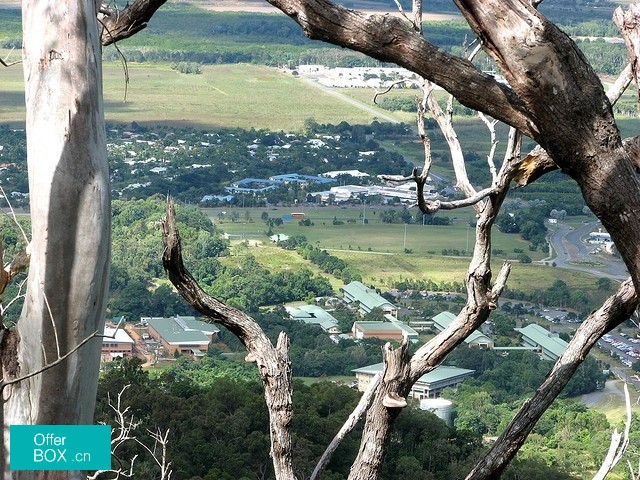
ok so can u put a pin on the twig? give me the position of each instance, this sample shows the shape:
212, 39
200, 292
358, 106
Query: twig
13, 215
5, 64
53, 323
123, 60
491, 126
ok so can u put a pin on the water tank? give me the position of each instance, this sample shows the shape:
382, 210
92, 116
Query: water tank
440, 407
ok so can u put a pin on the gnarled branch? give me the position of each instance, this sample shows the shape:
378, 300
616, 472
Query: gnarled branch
121, 24
614, 311
273, 362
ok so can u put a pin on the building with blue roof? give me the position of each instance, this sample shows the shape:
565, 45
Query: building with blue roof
298, 178
251, 185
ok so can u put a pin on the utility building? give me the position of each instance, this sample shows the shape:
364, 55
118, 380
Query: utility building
385, 331
116, 343
547, 343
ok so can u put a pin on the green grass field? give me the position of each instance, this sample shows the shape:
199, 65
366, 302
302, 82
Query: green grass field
239, 95
374, 236
385, 269
376, 250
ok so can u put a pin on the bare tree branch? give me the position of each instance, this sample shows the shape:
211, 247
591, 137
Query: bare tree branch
59, 360
627, 22
349, 425
119, 25
380, 37
619, 443
491, 126
620, 85
614, 311
273, 362
160, 441
429, 206
416, 10
5, 63
125, 427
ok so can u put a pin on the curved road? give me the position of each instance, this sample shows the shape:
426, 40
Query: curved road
572, 254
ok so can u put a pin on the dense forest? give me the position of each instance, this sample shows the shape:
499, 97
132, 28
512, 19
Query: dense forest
218, 422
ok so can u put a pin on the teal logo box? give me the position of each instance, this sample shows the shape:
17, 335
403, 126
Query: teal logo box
60, 447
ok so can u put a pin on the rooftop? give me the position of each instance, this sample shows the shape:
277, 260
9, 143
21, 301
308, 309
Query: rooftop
366, 296
183, 330
443, 319
438, 374
547, 340
113, 335
311, 314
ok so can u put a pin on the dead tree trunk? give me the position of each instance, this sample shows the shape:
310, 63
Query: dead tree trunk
273, 362
70, 212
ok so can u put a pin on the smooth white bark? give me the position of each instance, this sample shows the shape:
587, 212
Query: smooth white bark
70, 212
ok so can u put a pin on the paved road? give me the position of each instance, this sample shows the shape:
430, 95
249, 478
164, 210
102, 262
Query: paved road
569, 252
610, 394
363, 106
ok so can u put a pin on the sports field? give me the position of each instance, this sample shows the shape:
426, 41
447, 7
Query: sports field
377, 250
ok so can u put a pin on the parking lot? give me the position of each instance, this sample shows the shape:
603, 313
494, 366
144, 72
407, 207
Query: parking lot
627, 349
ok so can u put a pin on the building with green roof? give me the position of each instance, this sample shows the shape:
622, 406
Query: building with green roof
430, 385
183, 334
547, 343
314, 315
476, 339
367, 299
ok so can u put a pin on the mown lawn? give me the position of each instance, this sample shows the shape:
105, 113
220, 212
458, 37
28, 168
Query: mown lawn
384, 269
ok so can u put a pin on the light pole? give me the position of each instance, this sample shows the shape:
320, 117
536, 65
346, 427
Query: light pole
364, 204
405, 238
